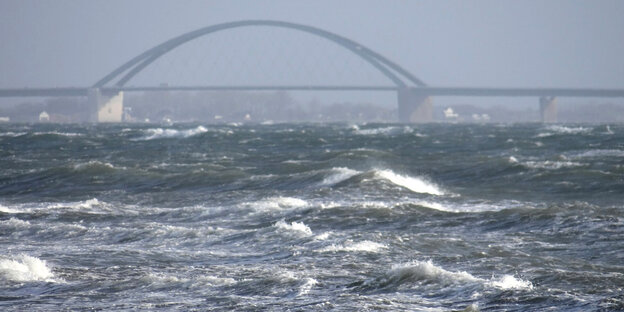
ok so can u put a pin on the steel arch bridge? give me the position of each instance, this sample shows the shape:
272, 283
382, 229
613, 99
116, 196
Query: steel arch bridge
401, 77
413, 94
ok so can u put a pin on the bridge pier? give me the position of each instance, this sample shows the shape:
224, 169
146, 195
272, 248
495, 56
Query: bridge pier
104, 108
548, 109
414, 107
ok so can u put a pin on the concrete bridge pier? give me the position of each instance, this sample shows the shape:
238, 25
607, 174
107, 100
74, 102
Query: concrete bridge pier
548, 109
104, 108
414, 107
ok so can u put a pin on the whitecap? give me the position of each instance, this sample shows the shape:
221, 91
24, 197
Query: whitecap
471, 207
93, 164
322, 236
25, 269
296, 227
277, 203
558, 129
427, 271
550, 165
413, 184
388, 131
510, 282
12, 134
349, 246
600, 153
14, 223
160, 133
6, 209
339, 174
307, 286
67, 134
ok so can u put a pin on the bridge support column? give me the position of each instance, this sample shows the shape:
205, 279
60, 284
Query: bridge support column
548, 109
103, 108
414, 107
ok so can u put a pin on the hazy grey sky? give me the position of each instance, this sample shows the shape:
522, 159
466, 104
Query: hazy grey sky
559, 43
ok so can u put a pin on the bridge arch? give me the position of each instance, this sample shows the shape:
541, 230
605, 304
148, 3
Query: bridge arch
398, 75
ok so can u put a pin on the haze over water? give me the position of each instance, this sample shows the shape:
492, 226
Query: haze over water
311, 217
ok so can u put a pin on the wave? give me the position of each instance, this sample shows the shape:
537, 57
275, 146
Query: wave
64, 134
25, 269
340, 174
600, 153
426, 271
414, 184
387, 131
471, 207
94, 165
14, 224
12, 134
296, 227
5, 209
307, 286
277, 203
557, 129
545, 164
160, 133
350, 246
160, 280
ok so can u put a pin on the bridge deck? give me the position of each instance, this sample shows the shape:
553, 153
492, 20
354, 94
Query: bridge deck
425, 91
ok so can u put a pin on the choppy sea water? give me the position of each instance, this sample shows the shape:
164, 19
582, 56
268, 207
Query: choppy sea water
342, 217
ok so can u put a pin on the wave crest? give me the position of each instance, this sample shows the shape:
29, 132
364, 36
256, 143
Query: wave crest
160, 133
414, 184
25, 269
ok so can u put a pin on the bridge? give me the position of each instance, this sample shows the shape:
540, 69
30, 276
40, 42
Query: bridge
105, 97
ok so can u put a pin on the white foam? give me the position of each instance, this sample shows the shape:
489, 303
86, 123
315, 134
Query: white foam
169, 280
413, 184
15, 223
322, 236
6, 209
307, 286
557, 129
550, 164
382, 131
600, 153
277, 203
93, 164
86, 204
363, 246
67, 134
297, 227
470, 207
160, 133
426, 270
510, 282
339, 174
12, 134
25, 269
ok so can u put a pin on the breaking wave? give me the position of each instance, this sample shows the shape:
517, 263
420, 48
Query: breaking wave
296, 227
350, 246
557, 129
426, 271
160, 133
25, 269
277, 203
339, 175
414, 184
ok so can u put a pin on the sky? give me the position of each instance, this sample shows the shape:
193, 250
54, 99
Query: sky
489, 43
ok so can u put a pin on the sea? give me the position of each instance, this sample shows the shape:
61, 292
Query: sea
312, 217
